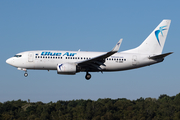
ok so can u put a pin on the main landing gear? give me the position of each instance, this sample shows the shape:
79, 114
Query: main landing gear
88, 76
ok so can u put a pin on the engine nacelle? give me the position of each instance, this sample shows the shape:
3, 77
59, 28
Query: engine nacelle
66, 68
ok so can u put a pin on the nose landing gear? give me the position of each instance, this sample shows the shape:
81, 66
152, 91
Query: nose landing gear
25, 74
88, 76
25, 70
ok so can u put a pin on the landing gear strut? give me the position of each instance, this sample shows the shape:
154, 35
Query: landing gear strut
88, 76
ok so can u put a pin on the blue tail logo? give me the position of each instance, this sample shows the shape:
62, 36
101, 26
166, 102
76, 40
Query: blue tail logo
159, 31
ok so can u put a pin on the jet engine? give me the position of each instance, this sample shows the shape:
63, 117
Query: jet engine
66, 68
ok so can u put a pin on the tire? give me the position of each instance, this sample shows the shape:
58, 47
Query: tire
88, 76
25, 74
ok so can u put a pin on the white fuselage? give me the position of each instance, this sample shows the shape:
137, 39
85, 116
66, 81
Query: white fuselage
48, 60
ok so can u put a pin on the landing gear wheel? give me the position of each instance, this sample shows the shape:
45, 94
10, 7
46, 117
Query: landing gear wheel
25, 74
88, 76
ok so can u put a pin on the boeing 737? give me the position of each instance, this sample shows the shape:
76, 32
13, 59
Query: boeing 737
72, 62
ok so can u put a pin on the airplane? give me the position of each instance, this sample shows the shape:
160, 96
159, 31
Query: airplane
72, 62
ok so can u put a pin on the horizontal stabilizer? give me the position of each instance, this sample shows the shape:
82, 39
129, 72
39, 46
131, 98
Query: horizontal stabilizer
160, 56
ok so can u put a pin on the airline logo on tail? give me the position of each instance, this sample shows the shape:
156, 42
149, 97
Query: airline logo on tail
159, 31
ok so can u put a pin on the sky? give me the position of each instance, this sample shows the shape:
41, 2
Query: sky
94, 25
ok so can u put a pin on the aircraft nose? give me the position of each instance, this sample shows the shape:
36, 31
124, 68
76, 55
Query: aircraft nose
9, 61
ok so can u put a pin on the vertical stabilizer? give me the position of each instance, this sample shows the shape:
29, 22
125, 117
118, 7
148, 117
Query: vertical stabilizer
154, 43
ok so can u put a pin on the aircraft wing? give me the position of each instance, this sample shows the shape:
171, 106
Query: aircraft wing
94, 63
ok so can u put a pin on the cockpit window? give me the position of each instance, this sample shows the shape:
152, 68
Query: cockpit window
17, 55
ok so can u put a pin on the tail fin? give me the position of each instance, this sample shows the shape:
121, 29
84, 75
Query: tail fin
154, 43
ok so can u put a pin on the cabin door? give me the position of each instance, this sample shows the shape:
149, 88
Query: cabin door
30, 57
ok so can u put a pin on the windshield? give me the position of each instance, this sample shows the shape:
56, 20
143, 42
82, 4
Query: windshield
17, 55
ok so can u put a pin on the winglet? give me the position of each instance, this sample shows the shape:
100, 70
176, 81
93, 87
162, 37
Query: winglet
116, 48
